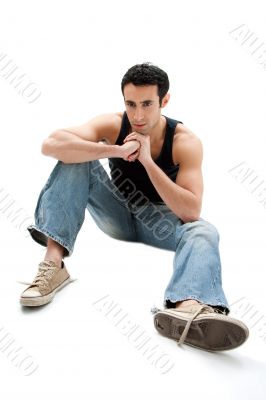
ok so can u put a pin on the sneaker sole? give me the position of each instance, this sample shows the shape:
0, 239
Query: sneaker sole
41, 300
212, 334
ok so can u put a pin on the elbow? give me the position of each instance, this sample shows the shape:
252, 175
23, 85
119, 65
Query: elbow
45, 147
48, 145
192, 217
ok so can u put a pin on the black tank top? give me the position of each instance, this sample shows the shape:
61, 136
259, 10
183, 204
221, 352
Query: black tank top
131, 178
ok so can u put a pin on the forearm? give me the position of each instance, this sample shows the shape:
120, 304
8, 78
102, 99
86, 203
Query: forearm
181, 201
72, 149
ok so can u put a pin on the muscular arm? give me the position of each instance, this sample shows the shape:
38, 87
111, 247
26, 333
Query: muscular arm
83, 143
70, 148
183, 197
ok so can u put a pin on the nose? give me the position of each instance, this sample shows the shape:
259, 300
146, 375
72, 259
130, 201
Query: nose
138, 116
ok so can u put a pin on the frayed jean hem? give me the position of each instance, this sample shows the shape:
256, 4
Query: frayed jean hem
40, 236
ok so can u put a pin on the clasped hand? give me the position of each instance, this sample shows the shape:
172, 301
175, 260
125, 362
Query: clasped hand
142, 152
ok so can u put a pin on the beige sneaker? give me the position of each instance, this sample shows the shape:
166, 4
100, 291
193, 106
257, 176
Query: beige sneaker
47, 282
202, 326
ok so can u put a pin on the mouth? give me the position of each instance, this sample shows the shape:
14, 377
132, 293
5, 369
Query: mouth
139, 126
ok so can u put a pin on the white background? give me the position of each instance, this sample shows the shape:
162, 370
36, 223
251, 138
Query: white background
77, 52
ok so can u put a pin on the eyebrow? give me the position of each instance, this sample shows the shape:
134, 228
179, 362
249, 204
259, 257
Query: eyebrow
145, 101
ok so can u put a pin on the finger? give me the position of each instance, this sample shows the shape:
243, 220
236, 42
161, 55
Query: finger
129, 138
133, 156
130, 135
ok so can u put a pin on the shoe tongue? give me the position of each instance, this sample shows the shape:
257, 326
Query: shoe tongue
192, 308
51, 264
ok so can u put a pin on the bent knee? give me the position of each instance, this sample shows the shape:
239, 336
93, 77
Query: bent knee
204, 227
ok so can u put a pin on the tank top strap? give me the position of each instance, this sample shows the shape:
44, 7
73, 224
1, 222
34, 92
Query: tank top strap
165, 157
123, 130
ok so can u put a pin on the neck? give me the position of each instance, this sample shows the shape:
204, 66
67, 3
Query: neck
158, 131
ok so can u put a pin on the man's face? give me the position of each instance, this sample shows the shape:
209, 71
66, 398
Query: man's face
142, 107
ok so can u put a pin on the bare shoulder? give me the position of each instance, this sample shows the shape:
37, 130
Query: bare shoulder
115, 120
109, 125
187, 146
120, 114
102, 127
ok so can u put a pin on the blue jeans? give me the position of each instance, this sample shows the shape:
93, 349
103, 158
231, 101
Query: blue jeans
73, 188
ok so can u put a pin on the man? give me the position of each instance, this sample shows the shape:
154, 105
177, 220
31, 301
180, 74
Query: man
154, 197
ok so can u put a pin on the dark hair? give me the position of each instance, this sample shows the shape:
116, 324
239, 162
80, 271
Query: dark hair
147, 74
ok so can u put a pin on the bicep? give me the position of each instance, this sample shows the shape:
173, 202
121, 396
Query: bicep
95, 130
191, 179
189, 175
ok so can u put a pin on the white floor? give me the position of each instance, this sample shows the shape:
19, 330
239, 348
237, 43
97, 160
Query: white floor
75, 346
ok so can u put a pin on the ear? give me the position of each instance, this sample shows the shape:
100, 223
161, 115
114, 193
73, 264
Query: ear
165, 100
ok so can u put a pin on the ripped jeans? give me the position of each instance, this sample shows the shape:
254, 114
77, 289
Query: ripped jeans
73, 188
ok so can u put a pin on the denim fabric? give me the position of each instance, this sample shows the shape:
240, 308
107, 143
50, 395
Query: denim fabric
73, 188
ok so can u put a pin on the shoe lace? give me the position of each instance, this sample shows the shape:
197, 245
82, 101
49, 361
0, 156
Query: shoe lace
45, 273
202, 309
